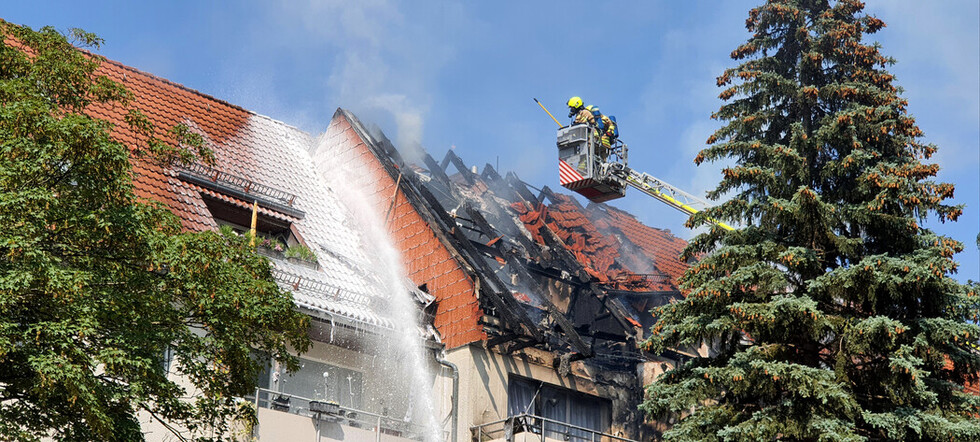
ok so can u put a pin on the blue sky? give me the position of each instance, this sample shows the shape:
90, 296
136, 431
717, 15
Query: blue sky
463, 74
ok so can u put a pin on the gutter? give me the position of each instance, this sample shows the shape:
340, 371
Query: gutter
440, 358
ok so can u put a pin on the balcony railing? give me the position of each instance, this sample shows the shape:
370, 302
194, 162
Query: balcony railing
331, 412
537, 428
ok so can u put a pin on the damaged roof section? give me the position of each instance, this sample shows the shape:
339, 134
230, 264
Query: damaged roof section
661, 248
555, 275
507, 265
598, 253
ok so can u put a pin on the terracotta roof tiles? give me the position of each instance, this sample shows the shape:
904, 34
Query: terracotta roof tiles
262, 150
663, 248
599, 253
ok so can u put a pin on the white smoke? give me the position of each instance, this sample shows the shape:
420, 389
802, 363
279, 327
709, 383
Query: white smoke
384, 63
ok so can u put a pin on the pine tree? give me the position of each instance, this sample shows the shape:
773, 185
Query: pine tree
832, 313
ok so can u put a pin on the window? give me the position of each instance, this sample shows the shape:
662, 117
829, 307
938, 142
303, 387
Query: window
325, 382
167, 359
240, 219
528, 396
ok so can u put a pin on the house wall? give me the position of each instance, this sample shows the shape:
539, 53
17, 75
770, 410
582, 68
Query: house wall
484, 376
385, 392
426, 259
380, 382
279, 426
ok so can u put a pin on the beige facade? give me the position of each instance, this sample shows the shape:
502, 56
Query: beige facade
486, 377
374, 398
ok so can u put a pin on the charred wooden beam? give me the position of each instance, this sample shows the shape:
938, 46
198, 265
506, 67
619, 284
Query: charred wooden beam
490, 320
584, 331
460, 166
480, 220
489, 173
558, 316
561, 252
505, 302
555, 273
435, 169
487, 250
517, 346
443, 225
546, 192
617, 311
502, 339
521, 189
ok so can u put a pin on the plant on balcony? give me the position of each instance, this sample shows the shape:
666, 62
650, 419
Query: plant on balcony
272, 245
300, 252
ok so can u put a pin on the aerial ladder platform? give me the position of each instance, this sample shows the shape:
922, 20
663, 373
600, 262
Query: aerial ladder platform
602, 174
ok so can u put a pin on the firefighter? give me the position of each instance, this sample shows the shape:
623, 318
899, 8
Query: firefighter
607, 131
600, 125
578, 113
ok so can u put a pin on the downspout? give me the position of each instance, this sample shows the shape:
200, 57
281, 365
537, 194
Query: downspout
455, 401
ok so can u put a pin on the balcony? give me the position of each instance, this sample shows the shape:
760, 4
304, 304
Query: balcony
289, 417
531, 428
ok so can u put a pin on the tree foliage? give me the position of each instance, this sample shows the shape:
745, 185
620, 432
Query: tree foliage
97, 285
831, 313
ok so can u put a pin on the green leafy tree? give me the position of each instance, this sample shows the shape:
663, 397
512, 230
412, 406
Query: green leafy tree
97, 285
831, 313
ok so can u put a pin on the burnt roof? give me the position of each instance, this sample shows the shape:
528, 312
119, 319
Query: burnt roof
548, 264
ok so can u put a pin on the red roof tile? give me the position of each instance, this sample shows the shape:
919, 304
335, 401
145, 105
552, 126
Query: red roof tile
167, 104
599, 253
658, 245
426, 259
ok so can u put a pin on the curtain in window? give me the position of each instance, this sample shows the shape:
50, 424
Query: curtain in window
558, 404
585, 413
520, 394
554, 406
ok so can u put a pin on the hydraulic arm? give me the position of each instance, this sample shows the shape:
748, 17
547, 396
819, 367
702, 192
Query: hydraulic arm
661, 190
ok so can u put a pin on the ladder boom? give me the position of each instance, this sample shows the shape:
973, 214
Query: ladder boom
661, 190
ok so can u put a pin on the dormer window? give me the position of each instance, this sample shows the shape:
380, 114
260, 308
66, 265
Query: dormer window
230, 200
240, 219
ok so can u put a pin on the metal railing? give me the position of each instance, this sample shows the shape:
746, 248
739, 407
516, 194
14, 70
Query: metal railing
319, 288
241, 184
351, 417
542, 427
